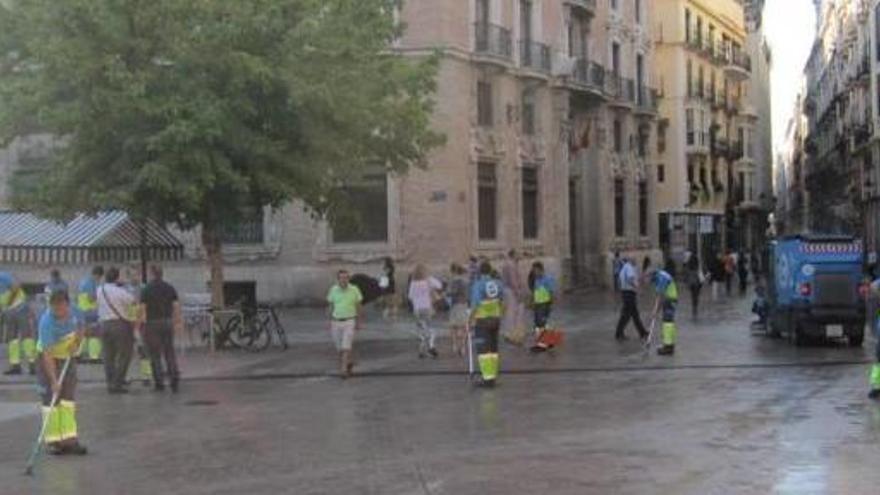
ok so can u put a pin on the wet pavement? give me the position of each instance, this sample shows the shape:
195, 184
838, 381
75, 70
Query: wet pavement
731, 412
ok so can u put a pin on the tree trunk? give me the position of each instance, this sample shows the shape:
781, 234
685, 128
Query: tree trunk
214, 251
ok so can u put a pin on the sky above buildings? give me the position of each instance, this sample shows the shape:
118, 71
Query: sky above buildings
790, 29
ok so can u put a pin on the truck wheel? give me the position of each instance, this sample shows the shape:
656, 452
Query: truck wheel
855, 335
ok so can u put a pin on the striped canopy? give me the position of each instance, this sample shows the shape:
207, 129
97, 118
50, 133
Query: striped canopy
111, 236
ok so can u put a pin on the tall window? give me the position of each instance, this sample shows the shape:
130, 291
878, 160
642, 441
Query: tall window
711, 39
482, 12
618, 136
698, 36
661, 173
640, 78
525, 20
701, 81
370, 222
687, 25
643, 137
689, 123
484, 104
877, 30
689, 74
248, 230
661, 138
615, 59
487, 201
643, 209
530, 202
619, 208
613, 4
638, 11
528, 112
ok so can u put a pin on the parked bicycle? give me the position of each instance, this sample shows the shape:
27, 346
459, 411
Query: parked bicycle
252, 328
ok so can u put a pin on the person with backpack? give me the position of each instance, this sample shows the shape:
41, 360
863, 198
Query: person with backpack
486, 311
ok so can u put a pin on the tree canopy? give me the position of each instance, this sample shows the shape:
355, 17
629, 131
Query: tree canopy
192, 111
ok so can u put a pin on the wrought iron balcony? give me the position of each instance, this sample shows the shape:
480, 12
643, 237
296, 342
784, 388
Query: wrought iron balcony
589, 75
738, 64
735, 151
647, 99
535, 56
620, 89
493, 41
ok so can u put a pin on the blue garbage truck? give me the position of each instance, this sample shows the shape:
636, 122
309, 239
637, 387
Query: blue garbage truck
815, 288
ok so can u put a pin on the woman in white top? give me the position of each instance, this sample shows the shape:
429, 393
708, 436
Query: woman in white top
421, 294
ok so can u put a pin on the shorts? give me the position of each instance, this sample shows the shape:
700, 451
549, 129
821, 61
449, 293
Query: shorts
458, 315
343, 333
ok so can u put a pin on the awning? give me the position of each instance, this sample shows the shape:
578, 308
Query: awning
101, 238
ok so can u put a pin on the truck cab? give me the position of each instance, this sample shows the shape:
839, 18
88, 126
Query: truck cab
815, 288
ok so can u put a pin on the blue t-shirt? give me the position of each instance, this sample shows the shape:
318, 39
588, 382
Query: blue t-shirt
89, 286
486, 297
51, 330
56, 286
664, 284
7, 282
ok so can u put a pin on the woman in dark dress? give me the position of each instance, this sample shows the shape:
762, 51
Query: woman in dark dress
389, 289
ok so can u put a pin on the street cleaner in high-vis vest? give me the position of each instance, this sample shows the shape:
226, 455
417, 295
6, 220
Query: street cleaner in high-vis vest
543, 288
19, 324
59, 338
667, 301
486, 312
874, 376
87, 304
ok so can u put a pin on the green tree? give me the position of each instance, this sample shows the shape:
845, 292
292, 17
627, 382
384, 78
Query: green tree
195, 111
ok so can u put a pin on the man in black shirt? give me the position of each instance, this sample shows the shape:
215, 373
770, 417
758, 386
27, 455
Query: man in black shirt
162, 312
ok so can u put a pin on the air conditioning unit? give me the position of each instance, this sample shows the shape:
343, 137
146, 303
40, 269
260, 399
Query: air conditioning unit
563, 65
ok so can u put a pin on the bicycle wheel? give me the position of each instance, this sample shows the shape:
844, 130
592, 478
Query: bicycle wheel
261, 335
236, 334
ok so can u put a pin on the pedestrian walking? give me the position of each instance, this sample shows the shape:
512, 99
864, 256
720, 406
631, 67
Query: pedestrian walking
423, 290
117, 330
56, 283
729, 263
59, 337
345, 309
694, 279
667, 300
874, 377
616, 265
457, 292
717, 273
543, 293
513, 325
19, 323
389, 289
629, 286
87, 303
742, 268
160, 309
487, 309
134, 287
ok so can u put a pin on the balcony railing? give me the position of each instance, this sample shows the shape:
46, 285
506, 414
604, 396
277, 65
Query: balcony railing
620, 89
534, 55
589, 74
647, 99
736, 57
720, 147
584, 4
493, 41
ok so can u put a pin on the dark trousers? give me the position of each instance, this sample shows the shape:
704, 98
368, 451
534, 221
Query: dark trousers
630, 311
486, 335
542, 314
118, 337
68, 386
695, 298
159, 338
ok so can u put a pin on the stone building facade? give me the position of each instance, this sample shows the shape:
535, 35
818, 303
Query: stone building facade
709, 154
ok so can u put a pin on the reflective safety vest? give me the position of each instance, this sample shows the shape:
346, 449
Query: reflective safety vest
666, 285
63, 348
488, 295
12, 299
